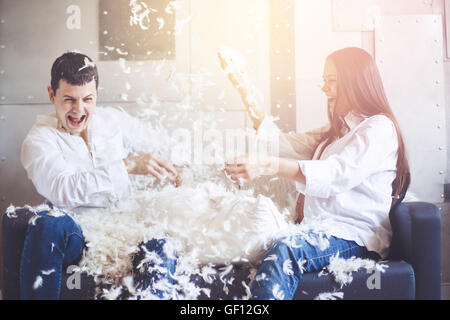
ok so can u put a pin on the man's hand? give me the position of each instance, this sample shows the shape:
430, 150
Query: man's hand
247, 168
183, 178
151, 164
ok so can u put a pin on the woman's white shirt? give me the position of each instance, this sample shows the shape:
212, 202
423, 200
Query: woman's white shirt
348, 190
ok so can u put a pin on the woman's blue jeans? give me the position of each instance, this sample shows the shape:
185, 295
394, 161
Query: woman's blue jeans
288, 258
54, 243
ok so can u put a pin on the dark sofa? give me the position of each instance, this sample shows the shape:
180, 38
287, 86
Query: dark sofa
414, 264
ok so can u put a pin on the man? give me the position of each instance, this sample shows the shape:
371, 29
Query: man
78, 158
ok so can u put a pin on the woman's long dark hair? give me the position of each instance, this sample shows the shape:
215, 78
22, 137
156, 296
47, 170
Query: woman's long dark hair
359, 84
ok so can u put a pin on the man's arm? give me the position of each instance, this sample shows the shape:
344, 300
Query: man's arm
151, 164
148, 143
66, 186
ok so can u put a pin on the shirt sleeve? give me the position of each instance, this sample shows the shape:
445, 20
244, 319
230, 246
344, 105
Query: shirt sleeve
69, 187
141, 136
300, 146
372, 148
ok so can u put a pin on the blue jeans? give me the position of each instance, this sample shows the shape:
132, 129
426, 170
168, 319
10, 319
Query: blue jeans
288, 258
54, 243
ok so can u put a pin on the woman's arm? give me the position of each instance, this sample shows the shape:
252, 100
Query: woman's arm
248, 168
371, 148
239, 80
290, 145
289, 169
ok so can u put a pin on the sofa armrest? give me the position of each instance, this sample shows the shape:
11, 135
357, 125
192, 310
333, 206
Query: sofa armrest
14, 227
416, 238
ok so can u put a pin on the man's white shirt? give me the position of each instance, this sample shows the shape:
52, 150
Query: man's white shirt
73, 175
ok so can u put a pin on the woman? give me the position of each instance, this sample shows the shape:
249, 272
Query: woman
349, 173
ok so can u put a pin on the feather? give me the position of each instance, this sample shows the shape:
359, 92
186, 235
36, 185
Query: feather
330, 296
56, 213
11, 212
47, 272
301, 265
248, 293
87, 64
287, 267
278, 294
33, 219
342, 269
38, 282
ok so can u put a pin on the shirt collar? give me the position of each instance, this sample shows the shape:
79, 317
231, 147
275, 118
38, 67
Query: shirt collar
47, 120
352, 120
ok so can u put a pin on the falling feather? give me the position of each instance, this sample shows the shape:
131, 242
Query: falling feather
180, 24
47, 272
302, 265
271, 257
278, 294
330, 296
33, 219
261, 277
290, 241
38, 282
287, 267
120, 52
11, 212
56, 213
160, 23
87, 64
248, 293
122, 64
342, 269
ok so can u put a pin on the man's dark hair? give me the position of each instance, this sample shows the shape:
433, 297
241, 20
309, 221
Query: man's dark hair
75, 68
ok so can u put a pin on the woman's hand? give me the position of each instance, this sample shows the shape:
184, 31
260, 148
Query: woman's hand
152, 164
247, 168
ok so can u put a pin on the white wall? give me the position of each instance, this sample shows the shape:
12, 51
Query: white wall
410, 64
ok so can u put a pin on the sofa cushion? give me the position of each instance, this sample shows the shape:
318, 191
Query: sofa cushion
396, 283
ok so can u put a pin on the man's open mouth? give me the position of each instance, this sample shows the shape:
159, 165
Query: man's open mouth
76, 121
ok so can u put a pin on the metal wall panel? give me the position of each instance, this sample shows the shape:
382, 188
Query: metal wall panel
148, 33
15, 122
241, 25
34, 33
409, 53
314, 41
282, 63
363, 15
